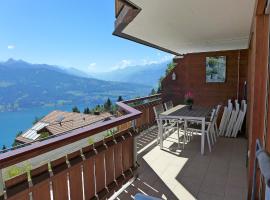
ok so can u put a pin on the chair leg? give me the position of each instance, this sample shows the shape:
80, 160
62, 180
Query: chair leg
213, 132
178, 135
212, 137
185, 132
208, 139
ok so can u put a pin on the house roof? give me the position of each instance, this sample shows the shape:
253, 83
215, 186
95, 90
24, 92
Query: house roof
180, 27
58, 122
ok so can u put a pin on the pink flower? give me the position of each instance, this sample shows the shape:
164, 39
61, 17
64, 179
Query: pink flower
188, 95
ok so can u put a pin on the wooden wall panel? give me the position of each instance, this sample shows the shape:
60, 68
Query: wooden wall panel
191, 76
258, 69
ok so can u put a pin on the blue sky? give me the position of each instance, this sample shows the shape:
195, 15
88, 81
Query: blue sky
70, 33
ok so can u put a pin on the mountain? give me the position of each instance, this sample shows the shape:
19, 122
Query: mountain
142, 74
24, 85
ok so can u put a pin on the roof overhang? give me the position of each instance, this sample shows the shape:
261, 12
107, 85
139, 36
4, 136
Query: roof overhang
187, 26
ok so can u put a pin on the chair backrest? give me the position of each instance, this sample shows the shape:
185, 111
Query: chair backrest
216, 113
212, 115
225, 119
168, 105
218, 109
232, 120
158, 109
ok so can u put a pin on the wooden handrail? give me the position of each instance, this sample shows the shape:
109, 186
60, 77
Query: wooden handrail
142, 98
18, 155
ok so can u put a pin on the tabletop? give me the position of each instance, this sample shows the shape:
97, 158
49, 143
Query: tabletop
183, 111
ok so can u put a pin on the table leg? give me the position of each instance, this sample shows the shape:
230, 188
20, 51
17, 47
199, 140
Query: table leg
185, 133
203, 137
160, 134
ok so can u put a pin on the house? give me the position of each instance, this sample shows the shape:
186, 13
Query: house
59, 122
234, 35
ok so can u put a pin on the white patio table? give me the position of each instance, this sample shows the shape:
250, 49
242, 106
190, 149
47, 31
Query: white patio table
181, 112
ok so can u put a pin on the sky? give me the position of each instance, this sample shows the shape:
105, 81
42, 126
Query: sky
69, 33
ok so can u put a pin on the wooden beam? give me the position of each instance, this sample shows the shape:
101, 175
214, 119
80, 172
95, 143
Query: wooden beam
261, 5
257, 81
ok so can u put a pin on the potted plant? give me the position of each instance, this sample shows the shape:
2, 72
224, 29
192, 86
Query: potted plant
189, 100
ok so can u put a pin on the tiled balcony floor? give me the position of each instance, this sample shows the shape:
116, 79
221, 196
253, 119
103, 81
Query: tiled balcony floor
188, 175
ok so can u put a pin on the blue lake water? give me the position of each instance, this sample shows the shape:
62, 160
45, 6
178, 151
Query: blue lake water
13, 122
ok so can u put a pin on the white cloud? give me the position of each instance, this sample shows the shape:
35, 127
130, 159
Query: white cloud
123, 64
11, 46
126, 63
157, 61
93, 65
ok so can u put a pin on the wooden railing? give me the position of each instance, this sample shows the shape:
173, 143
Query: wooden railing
145, 106
82, 164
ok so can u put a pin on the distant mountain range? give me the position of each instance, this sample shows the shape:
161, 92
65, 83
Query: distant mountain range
142, 74
24, 85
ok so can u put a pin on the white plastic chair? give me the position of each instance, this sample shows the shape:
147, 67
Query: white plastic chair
238, 125
232, 120
225, 119
168, 105
209, 126
215, 128
164, 125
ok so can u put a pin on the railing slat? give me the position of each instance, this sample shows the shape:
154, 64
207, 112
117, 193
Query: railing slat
17, 186
75, 175
59, 179
109, 159
127, 152
20, 196
89, 180
60, 189
100, 172
75, 180
41, 191
41, 183
118, 160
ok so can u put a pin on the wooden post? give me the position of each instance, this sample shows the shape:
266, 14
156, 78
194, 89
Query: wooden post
134, 144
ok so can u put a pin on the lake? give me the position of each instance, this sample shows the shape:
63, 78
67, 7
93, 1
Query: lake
13, 122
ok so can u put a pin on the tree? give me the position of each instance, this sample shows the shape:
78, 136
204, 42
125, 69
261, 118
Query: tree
44, 135
86, 111
4, 147
153, 91
108, 105
75, 109
170, 67
119, 99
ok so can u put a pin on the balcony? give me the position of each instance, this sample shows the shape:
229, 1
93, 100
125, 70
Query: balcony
88, 163
167, 174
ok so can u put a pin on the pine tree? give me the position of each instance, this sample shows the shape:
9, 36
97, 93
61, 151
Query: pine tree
75, 109
153, 91
108, 105
86, 111
119, 99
